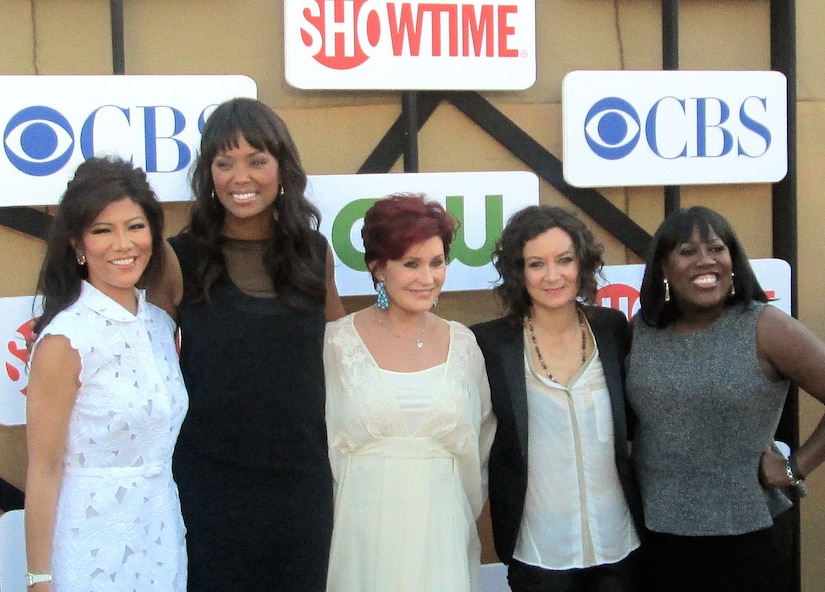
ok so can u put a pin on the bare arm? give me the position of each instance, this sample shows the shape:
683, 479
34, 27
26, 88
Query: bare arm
52, 390
167, 292
333, 307
789, 349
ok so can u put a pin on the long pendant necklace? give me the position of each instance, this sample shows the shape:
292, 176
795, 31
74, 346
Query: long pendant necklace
419, 341
538, 351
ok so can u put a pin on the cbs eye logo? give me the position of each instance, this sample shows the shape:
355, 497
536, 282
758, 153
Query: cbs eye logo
38, 141
612, 128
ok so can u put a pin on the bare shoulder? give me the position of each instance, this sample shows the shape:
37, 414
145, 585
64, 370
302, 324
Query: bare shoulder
775, 326
54, 362
790, 347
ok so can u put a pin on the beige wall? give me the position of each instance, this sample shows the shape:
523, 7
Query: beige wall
336, 131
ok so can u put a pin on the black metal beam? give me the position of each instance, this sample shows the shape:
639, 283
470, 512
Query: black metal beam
670, 34
26, 220
670, 61
118, 51
394, 143
409, 111
785, 235
784, 193
549, 168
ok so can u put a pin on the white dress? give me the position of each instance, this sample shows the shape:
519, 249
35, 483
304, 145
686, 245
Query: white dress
406, 503
118, 526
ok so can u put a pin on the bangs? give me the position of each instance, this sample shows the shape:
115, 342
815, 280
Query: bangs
702, 219
225, 135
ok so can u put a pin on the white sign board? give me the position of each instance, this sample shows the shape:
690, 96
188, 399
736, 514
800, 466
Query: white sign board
51, 124
481, 201
620, 290
625, 128
410, 44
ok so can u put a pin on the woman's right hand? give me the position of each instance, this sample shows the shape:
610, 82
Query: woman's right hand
773, 470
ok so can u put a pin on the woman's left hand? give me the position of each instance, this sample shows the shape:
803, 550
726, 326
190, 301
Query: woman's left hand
773, 470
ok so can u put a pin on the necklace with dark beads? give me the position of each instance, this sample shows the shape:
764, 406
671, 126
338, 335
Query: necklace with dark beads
538, 351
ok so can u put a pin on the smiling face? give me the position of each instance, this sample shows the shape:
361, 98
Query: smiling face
247, 181
551, 269
699, 273
414, 281
118, 246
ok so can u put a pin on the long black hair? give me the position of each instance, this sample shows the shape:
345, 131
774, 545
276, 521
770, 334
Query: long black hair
291, 257
97, 182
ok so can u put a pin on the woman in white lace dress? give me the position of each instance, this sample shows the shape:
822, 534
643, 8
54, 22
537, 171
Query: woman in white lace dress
408, 417
105, 398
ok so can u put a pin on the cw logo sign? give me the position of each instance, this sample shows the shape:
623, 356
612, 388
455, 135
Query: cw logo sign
353, 212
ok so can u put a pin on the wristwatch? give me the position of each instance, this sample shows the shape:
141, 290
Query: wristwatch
795, 478
36, 578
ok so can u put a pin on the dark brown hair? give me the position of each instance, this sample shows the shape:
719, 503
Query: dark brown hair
97, 182
508, 257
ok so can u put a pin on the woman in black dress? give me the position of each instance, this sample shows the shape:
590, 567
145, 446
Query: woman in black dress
251, 281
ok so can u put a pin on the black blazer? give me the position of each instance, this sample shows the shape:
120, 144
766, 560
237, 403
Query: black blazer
503, 347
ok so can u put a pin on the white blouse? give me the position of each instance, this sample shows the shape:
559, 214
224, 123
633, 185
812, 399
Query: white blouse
575, 513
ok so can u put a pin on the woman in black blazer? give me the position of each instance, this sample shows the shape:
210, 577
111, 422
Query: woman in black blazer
565, 516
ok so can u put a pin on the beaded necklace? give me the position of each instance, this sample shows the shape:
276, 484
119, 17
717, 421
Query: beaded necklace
538, 351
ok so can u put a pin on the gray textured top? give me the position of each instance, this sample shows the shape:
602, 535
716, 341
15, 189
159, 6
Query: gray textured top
706, 413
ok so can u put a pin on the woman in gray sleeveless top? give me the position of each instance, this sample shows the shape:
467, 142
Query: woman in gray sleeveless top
708, 373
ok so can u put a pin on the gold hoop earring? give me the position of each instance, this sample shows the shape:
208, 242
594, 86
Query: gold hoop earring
667, 291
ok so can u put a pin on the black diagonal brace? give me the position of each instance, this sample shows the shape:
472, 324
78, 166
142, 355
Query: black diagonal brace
392, 145
27, 220
549, 168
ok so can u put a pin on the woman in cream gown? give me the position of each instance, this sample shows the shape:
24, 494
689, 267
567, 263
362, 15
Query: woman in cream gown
408, 418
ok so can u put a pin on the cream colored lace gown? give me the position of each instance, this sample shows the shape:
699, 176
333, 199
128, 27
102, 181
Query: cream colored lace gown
406, 502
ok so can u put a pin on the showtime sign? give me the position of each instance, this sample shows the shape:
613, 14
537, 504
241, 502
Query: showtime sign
410, 45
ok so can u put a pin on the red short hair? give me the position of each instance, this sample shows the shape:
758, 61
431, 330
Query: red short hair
394, 224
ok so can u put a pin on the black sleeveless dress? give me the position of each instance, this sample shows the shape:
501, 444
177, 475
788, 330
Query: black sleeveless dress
251, 462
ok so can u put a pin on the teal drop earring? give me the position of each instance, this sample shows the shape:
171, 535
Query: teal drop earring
382, 302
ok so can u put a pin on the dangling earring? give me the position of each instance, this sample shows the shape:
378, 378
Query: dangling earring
667, 291
214, 197
81, 259
732, 287
435, 302
281, 191
382, 302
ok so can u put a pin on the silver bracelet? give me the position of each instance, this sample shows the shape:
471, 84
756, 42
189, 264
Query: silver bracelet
37, 578
798, 484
